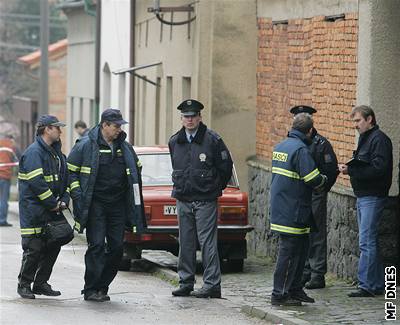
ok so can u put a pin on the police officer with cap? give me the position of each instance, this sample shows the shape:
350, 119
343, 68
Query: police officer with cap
325, 158
43, 194
202, 168
105, 182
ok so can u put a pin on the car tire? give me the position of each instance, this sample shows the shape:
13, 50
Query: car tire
235, 265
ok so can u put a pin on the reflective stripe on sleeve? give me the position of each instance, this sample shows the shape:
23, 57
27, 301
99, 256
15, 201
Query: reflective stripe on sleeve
85, 170
285, 172
31, 231
31, 174
290, 230
128, 172
74, 185
45, 195
311, 175
73, 168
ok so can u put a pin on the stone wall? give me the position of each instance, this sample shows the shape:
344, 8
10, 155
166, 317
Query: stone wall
343, 252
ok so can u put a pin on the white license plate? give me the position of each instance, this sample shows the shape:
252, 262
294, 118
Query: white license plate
170, 210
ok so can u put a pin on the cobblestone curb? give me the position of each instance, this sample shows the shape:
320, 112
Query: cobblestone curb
265, 313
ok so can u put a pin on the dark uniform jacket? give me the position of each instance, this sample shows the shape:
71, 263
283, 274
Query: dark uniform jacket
83, 165
294, 175
370, 169
43, 180
201, 169
325, 158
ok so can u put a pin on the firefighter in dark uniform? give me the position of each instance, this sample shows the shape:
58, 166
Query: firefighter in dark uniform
43, 193
105, 185
325, 158
202, 168
294, 176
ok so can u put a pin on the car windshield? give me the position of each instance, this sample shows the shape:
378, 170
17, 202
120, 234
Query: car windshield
157, 170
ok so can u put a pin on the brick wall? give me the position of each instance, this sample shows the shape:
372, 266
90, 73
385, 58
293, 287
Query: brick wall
307, 61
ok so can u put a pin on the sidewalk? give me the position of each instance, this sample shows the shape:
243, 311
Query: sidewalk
250, 291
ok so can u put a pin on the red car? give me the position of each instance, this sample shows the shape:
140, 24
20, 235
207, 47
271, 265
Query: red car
160, 209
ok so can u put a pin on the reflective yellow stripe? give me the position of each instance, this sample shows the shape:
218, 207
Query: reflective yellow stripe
75, 185
128, 172
85, 170
30, 231
73, 168
48, 178
285, 172
45, 195
134, 229
31, 174
77, 226
119, 150
311, 175
139, 164
290, 230
105, 151
68, 189
56, 177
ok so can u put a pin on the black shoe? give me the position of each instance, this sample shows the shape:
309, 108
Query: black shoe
94, 296
104, 295
5, 224
316, 283
25, 292
45, 289
305, 278
182, 291
285, 302
301, 296
207, 293
360, 293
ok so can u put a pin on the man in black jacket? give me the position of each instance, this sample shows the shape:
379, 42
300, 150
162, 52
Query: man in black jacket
105, 183
325, 158
370, 172
202, 168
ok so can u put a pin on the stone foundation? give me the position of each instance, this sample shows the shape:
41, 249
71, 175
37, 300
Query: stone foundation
343, 251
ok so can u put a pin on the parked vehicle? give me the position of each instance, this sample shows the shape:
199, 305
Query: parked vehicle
161, 215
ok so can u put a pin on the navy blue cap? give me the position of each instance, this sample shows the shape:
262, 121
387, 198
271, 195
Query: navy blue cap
190, 107
302, 109
113, 115
49, 120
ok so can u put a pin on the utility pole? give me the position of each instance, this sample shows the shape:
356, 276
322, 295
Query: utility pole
44, 58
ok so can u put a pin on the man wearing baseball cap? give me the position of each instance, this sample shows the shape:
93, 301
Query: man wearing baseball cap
43, 194
105, 184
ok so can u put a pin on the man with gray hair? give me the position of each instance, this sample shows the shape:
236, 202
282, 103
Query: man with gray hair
294, 176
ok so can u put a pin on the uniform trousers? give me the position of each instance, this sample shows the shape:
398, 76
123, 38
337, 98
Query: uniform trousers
38, 260
105, 236
198, 224
289, 267
316, 264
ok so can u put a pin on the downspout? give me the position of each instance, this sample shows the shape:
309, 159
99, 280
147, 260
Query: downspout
131, 76
97, 64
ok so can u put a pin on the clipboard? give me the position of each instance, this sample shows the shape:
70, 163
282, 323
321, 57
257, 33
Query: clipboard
356, 161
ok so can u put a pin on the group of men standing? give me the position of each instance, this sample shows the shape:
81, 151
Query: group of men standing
102, 175
304, 168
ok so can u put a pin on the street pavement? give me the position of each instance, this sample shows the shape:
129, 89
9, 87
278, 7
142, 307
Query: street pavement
136, 297
141, 298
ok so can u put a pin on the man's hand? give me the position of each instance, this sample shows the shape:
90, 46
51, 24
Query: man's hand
343, 169
57, 207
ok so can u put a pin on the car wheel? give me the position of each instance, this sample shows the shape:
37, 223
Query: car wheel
235, 265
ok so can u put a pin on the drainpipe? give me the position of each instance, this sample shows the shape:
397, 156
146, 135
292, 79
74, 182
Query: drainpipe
97, 64
131, 76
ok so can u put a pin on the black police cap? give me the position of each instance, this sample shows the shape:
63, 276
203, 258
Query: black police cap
302, 109
113, 115
49, 120
190, 107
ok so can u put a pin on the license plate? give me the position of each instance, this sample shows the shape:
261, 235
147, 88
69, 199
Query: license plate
170, 210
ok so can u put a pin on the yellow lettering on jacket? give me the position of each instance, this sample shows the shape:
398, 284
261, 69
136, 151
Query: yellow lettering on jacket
279, 156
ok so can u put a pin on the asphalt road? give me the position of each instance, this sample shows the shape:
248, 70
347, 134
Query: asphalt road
136, 297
